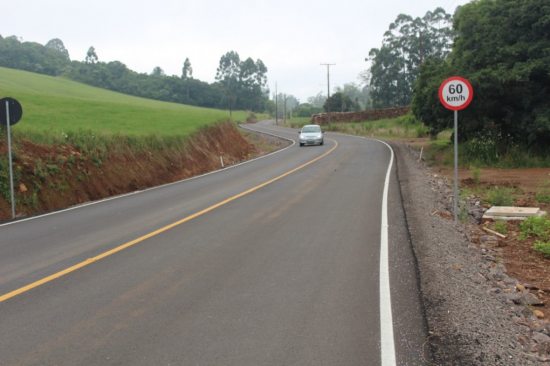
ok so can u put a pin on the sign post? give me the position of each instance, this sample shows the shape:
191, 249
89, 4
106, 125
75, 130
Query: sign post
10, 114
455, 93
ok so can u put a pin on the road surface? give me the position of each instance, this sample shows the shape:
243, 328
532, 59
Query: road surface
273, 262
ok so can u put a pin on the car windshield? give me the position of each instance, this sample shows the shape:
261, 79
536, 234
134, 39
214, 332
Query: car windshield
311, 129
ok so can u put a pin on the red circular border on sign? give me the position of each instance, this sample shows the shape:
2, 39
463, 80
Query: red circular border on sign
466, 103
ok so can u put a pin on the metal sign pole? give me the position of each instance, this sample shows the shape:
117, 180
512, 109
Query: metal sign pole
10, 160
455, 200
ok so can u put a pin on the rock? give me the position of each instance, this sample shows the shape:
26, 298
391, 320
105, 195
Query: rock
23, 188
488, 239
539, 314
489, 258
520, 287
497, 274
531, 300
543, 343
515, 298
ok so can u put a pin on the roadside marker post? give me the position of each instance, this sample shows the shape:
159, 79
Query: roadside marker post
12, 115
456, 93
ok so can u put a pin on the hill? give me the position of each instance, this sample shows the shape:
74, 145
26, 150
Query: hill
55, 105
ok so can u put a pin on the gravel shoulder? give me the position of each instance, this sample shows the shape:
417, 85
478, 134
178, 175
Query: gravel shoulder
476, 313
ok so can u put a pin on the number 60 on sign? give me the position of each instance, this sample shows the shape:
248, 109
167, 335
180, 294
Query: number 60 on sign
456, 93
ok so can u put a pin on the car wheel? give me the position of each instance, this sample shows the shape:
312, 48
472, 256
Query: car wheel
322, 143
301, 144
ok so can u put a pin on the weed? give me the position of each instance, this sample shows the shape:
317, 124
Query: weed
501, 227
500, 196
463, 213
543, 247
52, 169
476, 174
30, 200
543, 193
537, 227
480, 150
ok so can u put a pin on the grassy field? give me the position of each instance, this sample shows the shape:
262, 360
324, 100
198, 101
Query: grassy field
54, 106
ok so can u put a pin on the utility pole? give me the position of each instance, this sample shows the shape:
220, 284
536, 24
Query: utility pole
284, 109
328, 89
276, 106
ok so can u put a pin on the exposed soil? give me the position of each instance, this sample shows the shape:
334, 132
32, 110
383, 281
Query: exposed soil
482, 294
55, 177
520, 259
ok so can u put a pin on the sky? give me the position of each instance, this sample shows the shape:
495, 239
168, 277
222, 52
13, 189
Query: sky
292, 37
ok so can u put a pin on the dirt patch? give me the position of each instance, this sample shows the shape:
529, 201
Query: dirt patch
527, 179
54, 177
529, 266
479, 311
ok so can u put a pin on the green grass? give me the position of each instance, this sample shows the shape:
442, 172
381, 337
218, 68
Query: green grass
538, 228
56, 106
401, 127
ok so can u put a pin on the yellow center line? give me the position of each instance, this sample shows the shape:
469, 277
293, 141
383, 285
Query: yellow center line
131, 243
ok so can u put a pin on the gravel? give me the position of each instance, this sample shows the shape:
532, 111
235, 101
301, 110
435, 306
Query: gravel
476, 313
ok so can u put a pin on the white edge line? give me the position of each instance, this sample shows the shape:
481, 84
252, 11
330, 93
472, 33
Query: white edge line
161, 186
387, 346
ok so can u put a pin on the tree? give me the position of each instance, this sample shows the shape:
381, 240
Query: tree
243, 82
187, 70
356, 94
91, 56
317, 101
57, 45
339, 102
306, 110
502, 48
228, 74
406, 45
158, 72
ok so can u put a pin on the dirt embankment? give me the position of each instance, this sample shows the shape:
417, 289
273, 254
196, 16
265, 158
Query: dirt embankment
55, 177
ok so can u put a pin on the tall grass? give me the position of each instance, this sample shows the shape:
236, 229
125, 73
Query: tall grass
484, 152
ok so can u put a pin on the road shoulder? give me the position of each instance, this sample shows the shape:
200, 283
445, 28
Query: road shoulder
468, 324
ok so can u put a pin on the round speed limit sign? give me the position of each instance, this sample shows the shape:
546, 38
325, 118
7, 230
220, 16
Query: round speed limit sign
456, 93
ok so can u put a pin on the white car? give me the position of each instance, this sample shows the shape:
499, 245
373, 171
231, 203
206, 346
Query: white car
311, 135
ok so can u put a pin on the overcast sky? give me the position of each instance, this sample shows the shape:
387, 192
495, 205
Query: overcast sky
292, 37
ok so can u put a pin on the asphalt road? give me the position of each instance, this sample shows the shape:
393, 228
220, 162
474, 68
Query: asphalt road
251, 265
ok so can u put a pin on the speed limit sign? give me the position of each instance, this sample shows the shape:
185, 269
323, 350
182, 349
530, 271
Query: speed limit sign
456, 93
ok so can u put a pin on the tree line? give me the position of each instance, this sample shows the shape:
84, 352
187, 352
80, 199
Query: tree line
240, 84
501, 46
